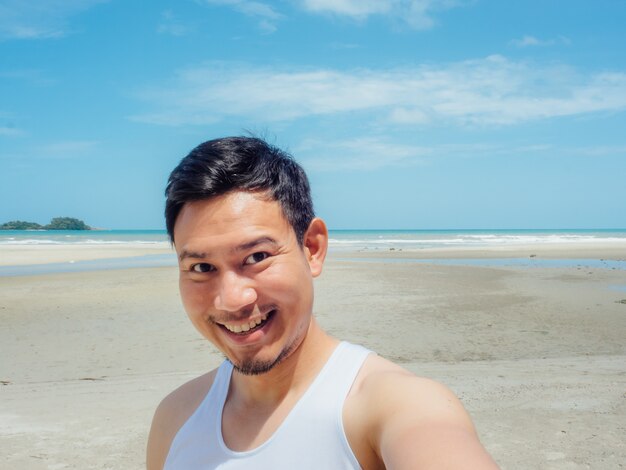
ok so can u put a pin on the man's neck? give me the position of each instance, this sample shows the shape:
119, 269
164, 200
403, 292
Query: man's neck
292, 376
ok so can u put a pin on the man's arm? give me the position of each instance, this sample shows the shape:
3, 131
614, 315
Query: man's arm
433, 432
419, 423
161, 436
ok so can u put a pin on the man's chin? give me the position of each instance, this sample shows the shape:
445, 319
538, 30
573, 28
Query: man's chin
258, 366
254, 367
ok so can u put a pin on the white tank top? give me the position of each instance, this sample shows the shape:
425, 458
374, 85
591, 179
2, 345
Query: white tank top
310, 437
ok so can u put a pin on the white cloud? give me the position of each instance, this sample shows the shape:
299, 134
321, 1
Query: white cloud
60, 150
490, 91
174, 29
65, 149
531, 41
358, 9
41, 19
600, 151
417, 13
9, 131
266, 15
31, 76
374, 152
344, 46
171, 25
8, 128
365, 153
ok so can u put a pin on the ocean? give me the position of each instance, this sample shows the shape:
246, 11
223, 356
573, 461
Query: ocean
416, 239
81, 237
340, 239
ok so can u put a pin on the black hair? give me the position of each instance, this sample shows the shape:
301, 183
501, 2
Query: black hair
219, 166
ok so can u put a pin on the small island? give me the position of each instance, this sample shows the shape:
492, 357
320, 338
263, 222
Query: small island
57, 223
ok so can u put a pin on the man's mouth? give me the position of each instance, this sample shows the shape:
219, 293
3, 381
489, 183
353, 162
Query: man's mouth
248, 326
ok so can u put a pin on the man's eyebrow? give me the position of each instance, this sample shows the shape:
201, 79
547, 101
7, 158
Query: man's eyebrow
251, 244
243, 247
191, 254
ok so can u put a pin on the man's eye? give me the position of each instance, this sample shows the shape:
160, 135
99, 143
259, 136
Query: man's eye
256, 257
202, 268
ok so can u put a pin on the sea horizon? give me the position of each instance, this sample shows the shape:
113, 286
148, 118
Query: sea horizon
339, 238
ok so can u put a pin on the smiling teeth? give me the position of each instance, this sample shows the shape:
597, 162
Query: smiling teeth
246, 326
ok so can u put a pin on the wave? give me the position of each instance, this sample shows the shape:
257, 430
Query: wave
40, 241
477, 240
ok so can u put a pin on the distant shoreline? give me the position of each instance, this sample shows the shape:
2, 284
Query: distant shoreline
41, 257
51, 229
56, 223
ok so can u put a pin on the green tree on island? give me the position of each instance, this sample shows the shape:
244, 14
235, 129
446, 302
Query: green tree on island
67, 223
20, 225
57, 223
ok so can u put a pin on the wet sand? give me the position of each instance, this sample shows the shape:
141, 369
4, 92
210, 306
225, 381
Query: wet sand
537, 355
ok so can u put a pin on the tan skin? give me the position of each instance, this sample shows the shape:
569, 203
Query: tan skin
240, 261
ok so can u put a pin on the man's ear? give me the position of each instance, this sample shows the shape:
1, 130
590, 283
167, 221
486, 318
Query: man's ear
315, 245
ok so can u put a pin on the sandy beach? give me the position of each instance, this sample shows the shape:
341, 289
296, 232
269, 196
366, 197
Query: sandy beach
11, 255
537, 355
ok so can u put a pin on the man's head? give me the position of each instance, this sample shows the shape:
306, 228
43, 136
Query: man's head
240, 215
220, 166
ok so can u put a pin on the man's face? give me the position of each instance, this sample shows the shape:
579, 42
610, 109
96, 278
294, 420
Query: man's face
245, 281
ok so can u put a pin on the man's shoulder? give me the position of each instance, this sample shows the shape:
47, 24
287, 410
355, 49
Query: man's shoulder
411, 419
380, 378
188, 396
172, 413
393, 389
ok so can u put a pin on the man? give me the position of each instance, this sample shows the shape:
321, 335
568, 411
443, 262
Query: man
289, 396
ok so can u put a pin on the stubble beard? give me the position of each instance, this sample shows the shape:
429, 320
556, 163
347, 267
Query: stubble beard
257, 367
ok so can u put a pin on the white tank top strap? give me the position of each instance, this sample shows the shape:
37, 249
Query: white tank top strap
347, 362
203, 426
221, 384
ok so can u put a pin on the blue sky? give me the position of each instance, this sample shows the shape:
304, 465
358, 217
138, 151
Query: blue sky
406, 113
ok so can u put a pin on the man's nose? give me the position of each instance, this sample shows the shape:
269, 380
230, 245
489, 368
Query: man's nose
235, 292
